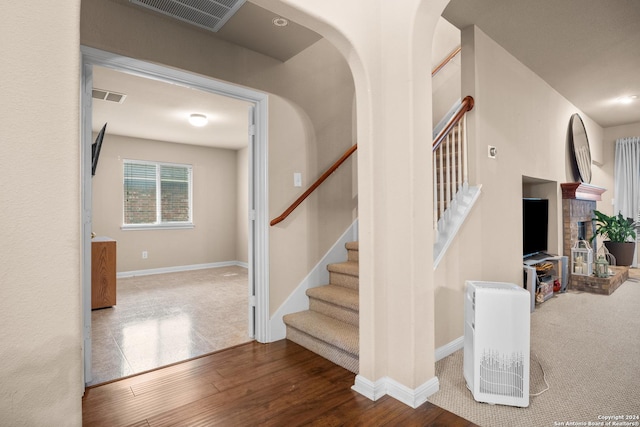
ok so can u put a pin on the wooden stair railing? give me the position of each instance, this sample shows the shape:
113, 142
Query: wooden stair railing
450, 163
446, 61
350, 151
315, 185
466, 105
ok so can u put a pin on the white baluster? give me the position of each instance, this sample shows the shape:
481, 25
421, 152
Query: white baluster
465, 169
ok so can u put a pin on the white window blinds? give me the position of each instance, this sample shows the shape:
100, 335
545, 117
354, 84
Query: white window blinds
157, 193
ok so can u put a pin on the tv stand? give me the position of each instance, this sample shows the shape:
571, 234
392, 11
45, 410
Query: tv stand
537, 257
533, 281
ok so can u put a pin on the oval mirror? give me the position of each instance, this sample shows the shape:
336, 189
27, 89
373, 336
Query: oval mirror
580, 147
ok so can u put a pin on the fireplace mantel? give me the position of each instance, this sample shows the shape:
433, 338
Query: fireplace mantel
581, 191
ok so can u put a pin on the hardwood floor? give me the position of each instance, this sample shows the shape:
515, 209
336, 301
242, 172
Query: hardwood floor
276, 384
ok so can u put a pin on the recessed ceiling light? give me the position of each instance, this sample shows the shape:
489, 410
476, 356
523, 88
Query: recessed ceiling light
279, 21
627, 99
198, 120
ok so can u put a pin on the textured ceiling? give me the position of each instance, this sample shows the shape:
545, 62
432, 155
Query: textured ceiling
159, 111
588, 50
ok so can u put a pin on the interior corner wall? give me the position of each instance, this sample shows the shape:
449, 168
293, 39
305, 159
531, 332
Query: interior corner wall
41, 380
310, 121
242, 212
215, 205
446, 89
527, 121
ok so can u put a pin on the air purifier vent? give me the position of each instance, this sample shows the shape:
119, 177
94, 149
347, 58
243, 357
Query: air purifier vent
502, 374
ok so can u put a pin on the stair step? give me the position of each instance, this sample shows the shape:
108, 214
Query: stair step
332, 339
344, 274
352, 251
335, 301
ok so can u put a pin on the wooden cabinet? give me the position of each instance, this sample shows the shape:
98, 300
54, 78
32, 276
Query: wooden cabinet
103, 272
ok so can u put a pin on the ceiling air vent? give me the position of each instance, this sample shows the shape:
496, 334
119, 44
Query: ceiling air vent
208, 14
107, 95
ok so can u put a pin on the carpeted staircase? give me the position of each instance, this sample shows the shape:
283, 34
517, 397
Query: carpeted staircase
330, 326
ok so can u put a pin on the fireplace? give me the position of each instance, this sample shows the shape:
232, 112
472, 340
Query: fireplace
578, 203
582, 230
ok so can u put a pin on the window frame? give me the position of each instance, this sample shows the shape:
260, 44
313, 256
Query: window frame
159, 224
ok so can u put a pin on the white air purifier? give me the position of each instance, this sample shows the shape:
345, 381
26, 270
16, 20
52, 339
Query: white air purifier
496, 342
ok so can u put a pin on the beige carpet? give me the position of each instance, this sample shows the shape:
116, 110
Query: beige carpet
589, 347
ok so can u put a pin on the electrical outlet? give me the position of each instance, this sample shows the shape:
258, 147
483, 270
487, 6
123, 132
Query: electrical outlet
145, 255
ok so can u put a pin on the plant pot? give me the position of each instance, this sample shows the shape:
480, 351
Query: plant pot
623, 251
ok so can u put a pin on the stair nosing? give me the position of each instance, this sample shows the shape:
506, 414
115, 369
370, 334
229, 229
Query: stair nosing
350, 268
322, 333
348, 298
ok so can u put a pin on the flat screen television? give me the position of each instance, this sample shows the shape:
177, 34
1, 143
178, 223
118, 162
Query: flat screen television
95, 149
535, 224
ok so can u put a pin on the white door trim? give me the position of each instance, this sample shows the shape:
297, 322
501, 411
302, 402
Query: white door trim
260, 243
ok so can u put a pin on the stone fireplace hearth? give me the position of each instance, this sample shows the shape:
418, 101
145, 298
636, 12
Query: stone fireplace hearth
578, 203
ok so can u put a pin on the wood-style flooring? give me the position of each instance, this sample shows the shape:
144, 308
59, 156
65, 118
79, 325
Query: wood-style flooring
276, 384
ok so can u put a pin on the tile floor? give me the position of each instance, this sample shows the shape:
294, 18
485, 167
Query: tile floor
166, 318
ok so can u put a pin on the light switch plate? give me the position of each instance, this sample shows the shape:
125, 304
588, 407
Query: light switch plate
297, 179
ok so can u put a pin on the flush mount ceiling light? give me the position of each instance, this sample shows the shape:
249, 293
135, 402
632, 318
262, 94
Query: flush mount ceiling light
279, 21
627, 99
198, 120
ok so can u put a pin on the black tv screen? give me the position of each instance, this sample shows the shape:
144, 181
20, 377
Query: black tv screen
95, 149
535, 220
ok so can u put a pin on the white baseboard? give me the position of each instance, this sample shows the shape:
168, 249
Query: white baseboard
400, 392
449, 348
370, 390
178, 268
319, 275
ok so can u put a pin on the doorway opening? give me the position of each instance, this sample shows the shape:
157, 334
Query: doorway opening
98, 64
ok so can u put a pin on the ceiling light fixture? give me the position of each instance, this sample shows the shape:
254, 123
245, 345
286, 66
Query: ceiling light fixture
627, 99
198, 120
279, 21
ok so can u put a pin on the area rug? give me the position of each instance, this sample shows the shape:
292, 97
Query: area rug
586, 347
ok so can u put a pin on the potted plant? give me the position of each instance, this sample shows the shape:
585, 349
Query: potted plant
621, 235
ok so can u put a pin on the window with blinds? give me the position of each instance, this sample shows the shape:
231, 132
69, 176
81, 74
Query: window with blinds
157, 194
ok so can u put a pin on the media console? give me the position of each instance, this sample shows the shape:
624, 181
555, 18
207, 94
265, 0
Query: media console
542, 282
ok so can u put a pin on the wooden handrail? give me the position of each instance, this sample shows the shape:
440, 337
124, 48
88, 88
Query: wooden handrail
466, 105
315, 185
446, 61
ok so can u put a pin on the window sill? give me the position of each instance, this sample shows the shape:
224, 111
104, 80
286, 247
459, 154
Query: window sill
168, 226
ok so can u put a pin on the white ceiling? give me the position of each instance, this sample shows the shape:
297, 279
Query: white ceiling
588, 50
159, 111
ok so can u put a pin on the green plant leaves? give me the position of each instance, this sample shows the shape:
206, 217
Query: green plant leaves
615, 228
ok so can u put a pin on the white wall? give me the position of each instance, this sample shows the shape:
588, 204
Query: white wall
242, 235
215, 205
40, 310
388, 47
528, 121
311, 99
446, 83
